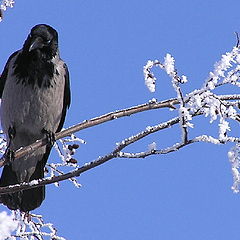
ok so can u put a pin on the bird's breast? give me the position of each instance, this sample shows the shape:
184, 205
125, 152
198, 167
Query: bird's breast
30, 108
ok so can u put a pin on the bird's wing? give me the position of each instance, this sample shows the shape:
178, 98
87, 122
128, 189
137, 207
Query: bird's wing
4, 74
66, 99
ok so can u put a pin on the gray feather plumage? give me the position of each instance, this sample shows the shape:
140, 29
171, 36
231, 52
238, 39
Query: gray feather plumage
29, 109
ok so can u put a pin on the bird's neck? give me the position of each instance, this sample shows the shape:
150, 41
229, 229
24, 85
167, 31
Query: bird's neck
36, 69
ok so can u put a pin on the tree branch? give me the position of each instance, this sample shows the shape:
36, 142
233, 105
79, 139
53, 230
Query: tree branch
87, 166
93, 122
117, 151
105, 118
177, 146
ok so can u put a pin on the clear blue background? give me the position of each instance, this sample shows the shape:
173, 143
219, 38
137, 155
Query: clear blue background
183, 195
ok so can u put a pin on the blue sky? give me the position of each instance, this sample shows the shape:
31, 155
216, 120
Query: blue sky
183, 195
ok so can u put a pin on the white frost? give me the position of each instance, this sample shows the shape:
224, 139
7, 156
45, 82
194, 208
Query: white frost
184, 79
152, 146
233, 156
169, 64
149, 128
151, 83
206, 102
150, 80
223, 128
33, 182
7, 225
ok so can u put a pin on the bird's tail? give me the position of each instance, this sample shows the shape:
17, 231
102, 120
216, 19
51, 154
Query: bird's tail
25, 200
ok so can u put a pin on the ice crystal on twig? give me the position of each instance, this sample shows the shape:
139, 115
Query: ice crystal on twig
28, 226
3, 143
66, 149
204, 101
7, 225
149, 77
152, 146
4, 5
234, 158
169, 64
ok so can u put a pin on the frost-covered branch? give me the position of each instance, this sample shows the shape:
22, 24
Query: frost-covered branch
4, 5
176, 81
117, 152
204, 100
26, 226
177, 146
152, 104
30, 226
87, 166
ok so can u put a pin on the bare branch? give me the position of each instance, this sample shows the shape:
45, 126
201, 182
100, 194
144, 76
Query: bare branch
93, 122
116, 152
105, 118
90, 165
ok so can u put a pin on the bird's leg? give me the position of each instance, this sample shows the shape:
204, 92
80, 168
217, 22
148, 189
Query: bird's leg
10, 154
27, 216
11, 133
50, 137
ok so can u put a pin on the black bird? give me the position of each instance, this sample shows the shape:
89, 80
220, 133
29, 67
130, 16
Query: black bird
35, 95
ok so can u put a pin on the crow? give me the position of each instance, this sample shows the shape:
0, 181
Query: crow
35, 95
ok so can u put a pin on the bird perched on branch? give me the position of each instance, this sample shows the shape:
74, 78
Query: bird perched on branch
35, 95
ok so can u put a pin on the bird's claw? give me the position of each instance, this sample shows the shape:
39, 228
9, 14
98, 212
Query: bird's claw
50, 137
9, 156
11, 133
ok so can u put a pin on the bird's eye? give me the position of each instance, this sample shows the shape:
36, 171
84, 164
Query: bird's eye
48, 41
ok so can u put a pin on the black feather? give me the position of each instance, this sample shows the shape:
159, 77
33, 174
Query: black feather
4, 74
25, 200
66, 99
33, 69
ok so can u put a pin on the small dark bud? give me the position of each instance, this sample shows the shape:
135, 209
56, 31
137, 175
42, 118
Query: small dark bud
70, 147
75, 146
72, 160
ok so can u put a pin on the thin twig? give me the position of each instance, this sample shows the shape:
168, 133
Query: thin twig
237, 36
177, 146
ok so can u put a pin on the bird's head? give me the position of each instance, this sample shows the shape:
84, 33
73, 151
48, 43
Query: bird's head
42, 39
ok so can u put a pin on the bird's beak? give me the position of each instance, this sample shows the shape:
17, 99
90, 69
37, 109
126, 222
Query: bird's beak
37, 43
